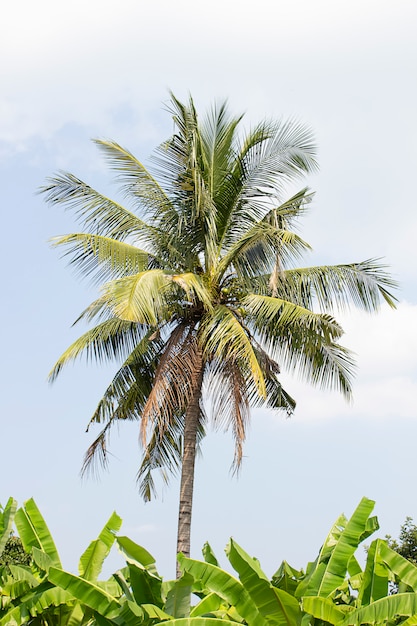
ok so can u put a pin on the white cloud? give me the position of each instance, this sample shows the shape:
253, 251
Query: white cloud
386, 381
78, 62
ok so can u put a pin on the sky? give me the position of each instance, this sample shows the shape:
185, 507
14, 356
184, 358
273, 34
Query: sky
73, 72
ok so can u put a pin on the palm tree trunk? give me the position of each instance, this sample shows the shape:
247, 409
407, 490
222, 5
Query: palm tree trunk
192, 417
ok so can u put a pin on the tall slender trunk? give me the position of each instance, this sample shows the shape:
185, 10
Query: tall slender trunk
192, 417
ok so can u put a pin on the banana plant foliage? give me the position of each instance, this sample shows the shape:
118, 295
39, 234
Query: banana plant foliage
334, 589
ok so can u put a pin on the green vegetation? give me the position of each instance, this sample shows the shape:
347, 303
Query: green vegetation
201, 287
406, 545
333, 589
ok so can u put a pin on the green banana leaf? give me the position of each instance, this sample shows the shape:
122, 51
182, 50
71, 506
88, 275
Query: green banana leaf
383, 610
372, 525
23, 572
353, 567
131, 614
323, 609
208, 604
85, 591
133, 552
287, 578
375, 577
277, 606
145, 586
34, 532
209, 555
6, 521
120, 578
225, 585
37, 602
330, 571
177, 601
198, 621
91, 562
401, 567
42, 560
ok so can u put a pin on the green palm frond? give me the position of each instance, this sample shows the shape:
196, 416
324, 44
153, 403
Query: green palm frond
135, 180
112, 339
303, 342
98, 310
103, 257
93, 210
286, 152
195, 289
218, 130
255, 252
270, 316
338, 286
224, 337
124, 398
141, 298
181, 164
277, 398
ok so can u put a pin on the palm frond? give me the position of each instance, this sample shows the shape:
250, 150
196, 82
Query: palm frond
171, 391
181, 164
104, 258
96, 212
256, 250
363, 285
195, 289
112, 339
228, 386
134, 178
224, 337
140, 298
124, 398
164, 453
271, 315
302, 341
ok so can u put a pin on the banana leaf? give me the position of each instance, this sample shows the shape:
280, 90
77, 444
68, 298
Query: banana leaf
401, 567
145, 586
85, 591
91, 562
137, 554
287, 578
131, 614
208, 604
198, 621
23, 572
42, 560
226, 586
411, 621
277, 606
383, 610
375, 577
177, 601
36, 603
6, 522
332, 564
323, 609
209, 555
34, 532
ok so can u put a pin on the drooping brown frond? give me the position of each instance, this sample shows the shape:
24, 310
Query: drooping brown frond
171, 391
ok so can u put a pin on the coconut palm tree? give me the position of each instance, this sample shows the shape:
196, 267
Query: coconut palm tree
201, 296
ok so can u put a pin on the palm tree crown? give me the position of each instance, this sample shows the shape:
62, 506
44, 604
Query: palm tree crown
201, 294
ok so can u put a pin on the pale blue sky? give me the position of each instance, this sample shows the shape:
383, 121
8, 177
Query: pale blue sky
98, 69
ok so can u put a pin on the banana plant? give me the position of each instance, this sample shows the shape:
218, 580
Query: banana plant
28, 594
332, 590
